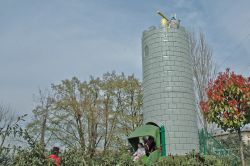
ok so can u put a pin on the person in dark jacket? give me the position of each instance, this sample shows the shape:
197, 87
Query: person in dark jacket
149, 145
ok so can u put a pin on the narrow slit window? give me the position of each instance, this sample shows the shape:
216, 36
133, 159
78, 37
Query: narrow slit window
146, 51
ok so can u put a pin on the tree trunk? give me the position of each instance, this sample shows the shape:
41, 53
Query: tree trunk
106, 112
80, 132
43, 129
241, 149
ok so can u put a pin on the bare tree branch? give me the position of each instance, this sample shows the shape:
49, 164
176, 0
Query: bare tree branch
204, 69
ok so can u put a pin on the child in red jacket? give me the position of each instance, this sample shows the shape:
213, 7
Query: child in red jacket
54, 156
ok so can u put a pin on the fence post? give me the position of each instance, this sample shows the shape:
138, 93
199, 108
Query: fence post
163, 144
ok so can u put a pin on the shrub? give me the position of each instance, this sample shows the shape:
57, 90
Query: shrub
76, 157
32, 156
193, 159
36, 156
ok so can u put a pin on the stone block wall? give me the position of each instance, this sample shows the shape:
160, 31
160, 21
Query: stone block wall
168, 94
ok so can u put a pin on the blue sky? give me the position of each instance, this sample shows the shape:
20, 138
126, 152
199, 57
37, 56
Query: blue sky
44, 42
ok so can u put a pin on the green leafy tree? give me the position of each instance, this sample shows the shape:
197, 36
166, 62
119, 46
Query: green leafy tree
70, 112
93, 109
98, 113
228, 104
122, 101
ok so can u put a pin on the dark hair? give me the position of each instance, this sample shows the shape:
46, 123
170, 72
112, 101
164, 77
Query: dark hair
55, 150
150, 138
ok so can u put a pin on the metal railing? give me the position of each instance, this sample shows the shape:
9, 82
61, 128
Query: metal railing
208, 145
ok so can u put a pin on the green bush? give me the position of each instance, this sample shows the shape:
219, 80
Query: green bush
193, 159
36, 156
32, 156
76, 157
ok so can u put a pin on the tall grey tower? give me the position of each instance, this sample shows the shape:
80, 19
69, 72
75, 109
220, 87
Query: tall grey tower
168, 91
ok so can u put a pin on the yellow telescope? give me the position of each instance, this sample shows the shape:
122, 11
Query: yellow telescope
164, 20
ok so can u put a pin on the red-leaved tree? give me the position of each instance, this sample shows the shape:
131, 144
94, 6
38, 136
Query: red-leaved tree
228, 103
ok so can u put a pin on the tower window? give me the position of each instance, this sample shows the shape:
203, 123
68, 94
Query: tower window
146, 51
